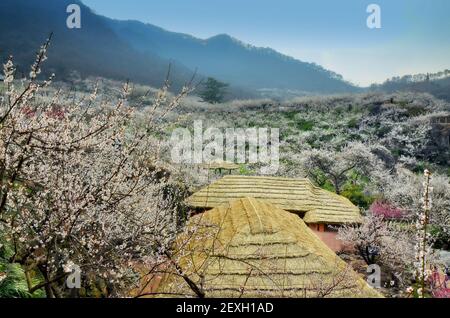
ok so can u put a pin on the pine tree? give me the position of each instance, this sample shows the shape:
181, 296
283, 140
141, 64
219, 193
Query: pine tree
213, 91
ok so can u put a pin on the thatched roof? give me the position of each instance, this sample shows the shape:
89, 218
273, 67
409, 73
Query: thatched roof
295, 195
251, 248
220, 165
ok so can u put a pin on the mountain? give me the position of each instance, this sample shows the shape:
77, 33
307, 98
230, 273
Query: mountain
436, 84
93, 50
231, 60
142, 52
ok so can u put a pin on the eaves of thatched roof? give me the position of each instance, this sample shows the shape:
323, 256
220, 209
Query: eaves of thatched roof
251, 248
294, 195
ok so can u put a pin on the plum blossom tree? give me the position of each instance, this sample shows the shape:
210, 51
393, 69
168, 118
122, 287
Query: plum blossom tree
386, 211
406, 247
403, 189
80, 183
336, 166
378, 241
423, 237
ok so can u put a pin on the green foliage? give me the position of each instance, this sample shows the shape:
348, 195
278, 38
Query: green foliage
244, 170
382, 131
321, 180
213, 91
420, 167
353, 123
396, 152
305, 125
14, 285
353, 190
441, 237
326, 138
290, 115
327, 185
402, 103
355, 193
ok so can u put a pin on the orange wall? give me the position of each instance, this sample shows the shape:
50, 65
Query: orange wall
328, 237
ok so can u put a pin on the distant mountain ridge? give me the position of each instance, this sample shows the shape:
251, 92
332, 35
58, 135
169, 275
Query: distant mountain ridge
231, 60
142, 52
436, 84
421, 77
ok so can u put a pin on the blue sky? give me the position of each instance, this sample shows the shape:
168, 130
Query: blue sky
414, 37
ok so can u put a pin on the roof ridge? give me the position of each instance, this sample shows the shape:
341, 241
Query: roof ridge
298, 195
252, 208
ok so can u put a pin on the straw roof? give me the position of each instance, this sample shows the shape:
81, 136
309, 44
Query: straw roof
251, 248
220, 165
295, 195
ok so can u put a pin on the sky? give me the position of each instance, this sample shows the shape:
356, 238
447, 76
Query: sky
414, 36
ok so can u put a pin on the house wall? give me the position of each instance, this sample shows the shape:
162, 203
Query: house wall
328, 237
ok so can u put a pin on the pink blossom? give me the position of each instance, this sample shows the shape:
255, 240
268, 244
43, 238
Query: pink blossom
386, 210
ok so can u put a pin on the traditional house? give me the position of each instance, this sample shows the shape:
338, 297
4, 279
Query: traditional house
251, 248
322, 210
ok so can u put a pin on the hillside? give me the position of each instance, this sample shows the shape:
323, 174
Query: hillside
93, 50
436, 84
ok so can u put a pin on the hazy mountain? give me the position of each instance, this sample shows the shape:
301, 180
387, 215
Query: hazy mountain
93, 50
231, 60
142, 52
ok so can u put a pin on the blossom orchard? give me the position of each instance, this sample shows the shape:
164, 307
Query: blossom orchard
249, 145
83, 185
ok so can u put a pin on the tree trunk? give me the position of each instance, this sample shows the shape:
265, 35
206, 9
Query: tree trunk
48, 288
337, 188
